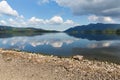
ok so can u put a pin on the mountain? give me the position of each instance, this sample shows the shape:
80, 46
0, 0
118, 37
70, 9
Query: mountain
95, 28
7, 29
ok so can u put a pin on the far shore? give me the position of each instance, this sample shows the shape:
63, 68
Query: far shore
16, 65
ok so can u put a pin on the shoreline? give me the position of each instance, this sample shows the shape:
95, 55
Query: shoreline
16, 65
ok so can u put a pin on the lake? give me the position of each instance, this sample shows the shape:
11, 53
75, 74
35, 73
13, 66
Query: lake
66, 45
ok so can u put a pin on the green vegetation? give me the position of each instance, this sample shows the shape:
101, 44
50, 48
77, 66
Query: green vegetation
12, 31
107, 31
98, 28
8, 29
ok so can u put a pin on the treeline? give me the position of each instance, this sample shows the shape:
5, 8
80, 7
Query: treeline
107, 31
12, 30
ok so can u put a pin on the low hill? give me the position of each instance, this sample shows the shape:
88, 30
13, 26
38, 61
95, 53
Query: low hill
9, 29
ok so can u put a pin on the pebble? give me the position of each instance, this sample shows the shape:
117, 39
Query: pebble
79, 58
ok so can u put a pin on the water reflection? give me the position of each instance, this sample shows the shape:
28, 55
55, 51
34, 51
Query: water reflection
111, 54
47, 39
97, 37
62, 44
48, 43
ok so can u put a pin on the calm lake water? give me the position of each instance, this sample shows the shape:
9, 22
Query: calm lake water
62, 44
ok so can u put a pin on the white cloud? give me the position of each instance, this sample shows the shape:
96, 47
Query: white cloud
57, 20
35, 21
5, 9
69, 22
16, 22
12, 22
101, 19
93, 18
2, 22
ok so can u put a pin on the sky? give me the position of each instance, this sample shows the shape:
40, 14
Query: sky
58, 14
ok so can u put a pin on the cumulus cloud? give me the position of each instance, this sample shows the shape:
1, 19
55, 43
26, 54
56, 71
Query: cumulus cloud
37, 22
3, 22
69, 22
55, 20
14, 22
94, 7
5, 9
101, 19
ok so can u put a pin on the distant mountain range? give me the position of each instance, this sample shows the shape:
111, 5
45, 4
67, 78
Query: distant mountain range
95, 28
6, 29
90, 28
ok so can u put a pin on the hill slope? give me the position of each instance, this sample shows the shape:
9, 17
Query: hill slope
95, 28
6, 29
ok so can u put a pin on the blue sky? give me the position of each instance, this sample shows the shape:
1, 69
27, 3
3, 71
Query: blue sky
57, 14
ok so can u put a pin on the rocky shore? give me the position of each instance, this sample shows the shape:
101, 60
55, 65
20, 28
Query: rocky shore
29, 66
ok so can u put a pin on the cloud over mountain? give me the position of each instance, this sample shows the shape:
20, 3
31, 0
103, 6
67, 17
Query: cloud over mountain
92, 7
101, 19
